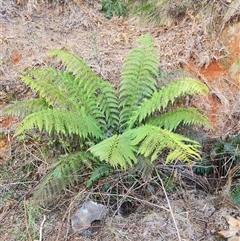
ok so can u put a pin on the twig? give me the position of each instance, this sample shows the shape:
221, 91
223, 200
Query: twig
134, 198
26, 220
68, 212
41, 228
169, 205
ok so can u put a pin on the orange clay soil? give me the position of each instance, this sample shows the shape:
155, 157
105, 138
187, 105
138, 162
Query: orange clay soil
219, 79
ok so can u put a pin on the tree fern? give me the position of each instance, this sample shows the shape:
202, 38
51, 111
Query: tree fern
116, 127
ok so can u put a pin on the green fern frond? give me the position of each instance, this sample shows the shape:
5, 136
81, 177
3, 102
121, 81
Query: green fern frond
168, 94
138, 82
102, 105
25, 107
87, 80
66, 171
61, 90
82, 97
68, 166
74, 65
144, 168
47, 74
43, 81
85, 77
109, 105
100, 171
57, 121
116, 150
172, 119
153, 140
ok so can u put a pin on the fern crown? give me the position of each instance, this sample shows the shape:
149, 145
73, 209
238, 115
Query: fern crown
116, 126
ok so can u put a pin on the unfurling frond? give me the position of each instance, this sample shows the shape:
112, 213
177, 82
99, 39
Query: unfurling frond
116, 150
25, 107
153, 140
168, 94
138, 82
57, 121
171, 120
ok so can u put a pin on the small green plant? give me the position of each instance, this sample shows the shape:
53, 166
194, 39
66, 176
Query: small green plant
113, 128
167, 13
236, 195
220, 158
160, 12
113, 8
21, 137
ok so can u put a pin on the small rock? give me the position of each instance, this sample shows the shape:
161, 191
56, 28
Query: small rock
89, 211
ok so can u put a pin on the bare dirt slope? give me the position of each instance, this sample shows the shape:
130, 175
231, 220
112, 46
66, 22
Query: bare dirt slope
26, 37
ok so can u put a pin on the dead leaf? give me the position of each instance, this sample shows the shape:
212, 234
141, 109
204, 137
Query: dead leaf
16, 57
2, 143
227, 233
10, 203
234, 224
234, 228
